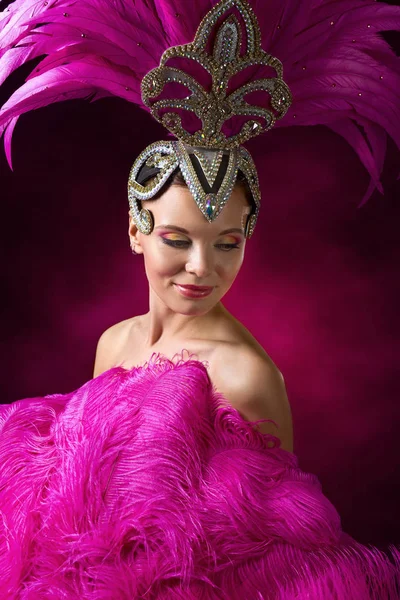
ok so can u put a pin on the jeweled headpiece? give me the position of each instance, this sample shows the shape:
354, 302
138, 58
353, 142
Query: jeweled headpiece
209, 158
336, 62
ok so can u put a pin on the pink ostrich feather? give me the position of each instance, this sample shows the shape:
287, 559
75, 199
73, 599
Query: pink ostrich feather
342, 73
147, 483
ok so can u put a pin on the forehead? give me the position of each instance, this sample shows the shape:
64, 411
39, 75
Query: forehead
177, 207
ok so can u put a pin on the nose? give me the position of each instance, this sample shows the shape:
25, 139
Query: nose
200, 262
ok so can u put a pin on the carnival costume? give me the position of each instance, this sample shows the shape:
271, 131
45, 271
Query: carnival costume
146, 482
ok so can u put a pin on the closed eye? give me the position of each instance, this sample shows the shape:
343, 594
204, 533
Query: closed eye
184, 244
227, 246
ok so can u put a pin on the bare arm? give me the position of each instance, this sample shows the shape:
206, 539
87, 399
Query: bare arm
260, 393
107, 348
101, 360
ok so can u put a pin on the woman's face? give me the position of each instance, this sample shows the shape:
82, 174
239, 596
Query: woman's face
199, 254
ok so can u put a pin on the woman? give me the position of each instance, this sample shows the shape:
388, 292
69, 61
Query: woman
198, 322
152, 479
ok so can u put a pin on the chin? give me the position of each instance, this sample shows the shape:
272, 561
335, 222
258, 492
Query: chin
195, 310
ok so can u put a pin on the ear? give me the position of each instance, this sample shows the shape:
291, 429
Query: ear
134, 236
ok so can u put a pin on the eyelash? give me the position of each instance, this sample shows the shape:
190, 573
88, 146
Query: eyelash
183, 244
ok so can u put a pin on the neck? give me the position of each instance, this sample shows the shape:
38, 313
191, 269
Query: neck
164, 325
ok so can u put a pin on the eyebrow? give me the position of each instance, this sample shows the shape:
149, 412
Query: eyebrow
182, 230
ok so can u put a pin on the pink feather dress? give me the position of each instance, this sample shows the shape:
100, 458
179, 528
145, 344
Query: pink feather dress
146, 483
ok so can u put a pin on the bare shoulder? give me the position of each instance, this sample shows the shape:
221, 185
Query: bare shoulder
253, 384
110, 343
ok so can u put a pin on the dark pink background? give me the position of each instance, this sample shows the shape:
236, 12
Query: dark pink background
318, 288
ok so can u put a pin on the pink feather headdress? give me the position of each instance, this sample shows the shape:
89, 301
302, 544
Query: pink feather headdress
340, 70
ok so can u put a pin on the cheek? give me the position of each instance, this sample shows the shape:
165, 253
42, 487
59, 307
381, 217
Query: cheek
161, 263
228, 265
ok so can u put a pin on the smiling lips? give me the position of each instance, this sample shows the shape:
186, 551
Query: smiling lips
194, 291
196, 288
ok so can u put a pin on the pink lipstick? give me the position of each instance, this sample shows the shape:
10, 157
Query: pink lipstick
194, 291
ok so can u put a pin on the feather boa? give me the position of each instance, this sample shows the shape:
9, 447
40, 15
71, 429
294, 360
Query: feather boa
341, 72
146, 483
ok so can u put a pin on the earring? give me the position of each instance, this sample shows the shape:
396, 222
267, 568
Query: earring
142, 217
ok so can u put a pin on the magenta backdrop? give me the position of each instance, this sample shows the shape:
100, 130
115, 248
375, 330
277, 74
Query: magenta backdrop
318, 288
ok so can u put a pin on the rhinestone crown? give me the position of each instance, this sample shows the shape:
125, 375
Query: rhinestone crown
228, 55
227, 42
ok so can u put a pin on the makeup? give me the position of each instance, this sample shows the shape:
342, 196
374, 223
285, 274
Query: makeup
192, 292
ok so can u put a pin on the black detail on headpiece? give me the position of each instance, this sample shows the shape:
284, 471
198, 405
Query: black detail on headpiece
146, 173
214, 189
